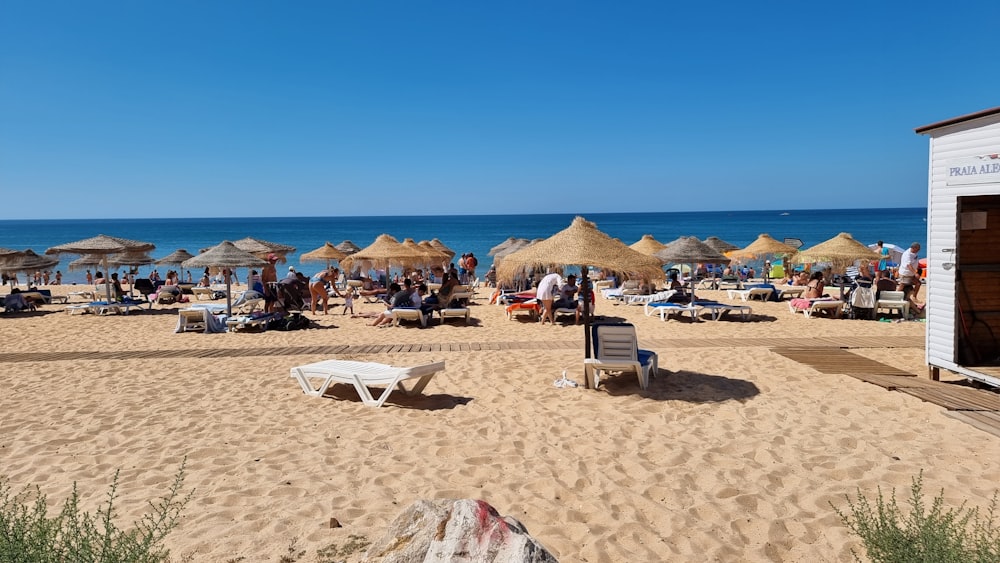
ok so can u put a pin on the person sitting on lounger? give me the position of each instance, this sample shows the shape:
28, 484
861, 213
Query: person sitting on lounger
397, 298
16, 302
116, 287
814, 289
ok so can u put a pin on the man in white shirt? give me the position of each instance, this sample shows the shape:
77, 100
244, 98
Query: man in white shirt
909, 276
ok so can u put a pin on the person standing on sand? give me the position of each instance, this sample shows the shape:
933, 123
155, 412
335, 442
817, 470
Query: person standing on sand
269, 277
884, 253
545, 293
909, 277
317, 289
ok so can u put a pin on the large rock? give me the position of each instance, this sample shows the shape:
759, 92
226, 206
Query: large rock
447, 531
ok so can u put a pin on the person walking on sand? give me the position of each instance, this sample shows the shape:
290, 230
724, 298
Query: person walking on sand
269, 278
909, 276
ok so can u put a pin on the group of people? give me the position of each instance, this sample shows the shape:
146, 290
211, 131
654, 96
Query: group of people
553, 293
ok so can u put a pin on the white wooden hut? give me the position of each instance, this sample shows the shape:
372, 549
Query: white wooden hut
963, 238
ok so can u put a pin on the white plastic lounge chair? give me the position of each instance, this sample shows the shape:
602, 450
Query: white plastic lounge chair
651, 298
721, 310
790, 291
202, 292
362, 375
616, 349
400, 314
893, 301
835, 306
764, 293
455, 313
667, 309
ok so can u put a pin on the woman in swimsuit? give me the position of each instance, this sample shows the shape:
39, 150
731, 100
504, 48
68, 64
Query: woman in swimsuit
317, 288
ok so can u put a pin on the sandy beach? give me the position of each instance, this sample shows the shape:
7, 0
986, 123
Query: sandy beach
734, 453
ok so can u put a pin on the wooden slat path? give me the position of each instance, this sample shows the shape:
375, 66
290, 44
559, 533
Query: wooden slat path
361, 349
838, 360
977, 407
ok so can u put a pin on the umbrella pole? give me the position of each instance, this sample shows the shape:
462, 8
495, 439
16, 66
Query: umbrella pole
584, 279
107, 276
229, 296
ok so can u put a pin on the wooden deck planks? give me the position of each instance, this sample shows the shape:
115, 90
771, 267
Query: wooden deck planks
956, 397
987, 421
837, 360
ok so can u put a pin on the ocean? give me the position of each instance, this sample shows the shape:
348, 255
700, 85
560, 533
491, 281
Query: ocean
467, 233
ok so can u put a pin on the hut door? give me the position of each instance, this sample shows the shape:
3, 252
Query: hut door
977, 281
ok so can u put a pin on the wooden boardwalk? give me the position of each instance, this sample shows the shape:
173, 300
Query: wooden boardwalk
977, 407
362, 349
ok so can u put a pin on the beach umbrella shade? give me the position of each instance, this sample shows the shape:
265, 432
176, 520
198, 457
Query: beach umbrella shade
841, 251
503, 245
131, 259
647, 245
176, 257
384, 253
581, 244
103, 245
348, 247
225, 255
261, 248
27, 261
327, 252
765, 245
436, 243
8, 252
86, 261
428, 257
720, 245
690, 250
895, 252
520, 244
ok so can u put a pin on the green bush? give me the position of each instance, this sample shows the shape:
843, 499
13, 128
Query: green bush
932, 534
29, 535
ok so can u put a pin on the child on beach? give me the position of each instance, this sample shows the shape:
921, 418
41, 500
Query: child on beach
349, 302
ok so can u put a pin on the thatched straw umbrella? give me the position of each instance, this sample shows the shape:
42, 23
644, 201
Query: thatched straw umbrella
26, 262
103, 245
8, 252
257, 246
86, 261
690, 250
581, 244
765, 245
429, 256
326, 252
841, 251
176, 257
720, 245
647, 245
436, 243
348, 247
504, 245
384, 253
225, 255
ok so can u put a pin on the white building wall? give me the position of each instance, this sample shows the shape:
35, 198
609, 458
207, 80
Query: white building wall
963, 140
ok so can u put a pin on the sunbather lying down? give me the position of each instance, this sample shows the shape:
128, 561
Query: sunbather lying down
364, 315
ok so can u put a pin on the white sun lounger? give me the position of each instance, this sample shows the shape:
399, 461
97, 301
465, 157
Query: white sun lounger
665, 310
400, 314
764, 293
455, 313
362, 375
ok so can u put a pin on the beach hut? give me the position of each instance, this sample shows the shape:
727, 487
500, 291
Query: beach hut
963, 232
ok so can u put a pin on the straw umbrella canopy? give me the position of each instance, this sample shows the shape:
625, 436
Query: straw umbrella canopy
765, 245
257, 246
428, 257
690, 250
647, 245
131, 259
8, 252
438, 257
27, 261
327, 252
384, 253
436, 243
86, 261
720, 245
225, 255
581, 244
103, 245
176, 257
504, 245
841, 251
348, 247
518, 245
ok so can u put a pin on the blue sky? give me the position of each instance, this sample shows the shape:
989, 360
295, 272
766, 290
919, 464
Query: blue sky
182, 108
